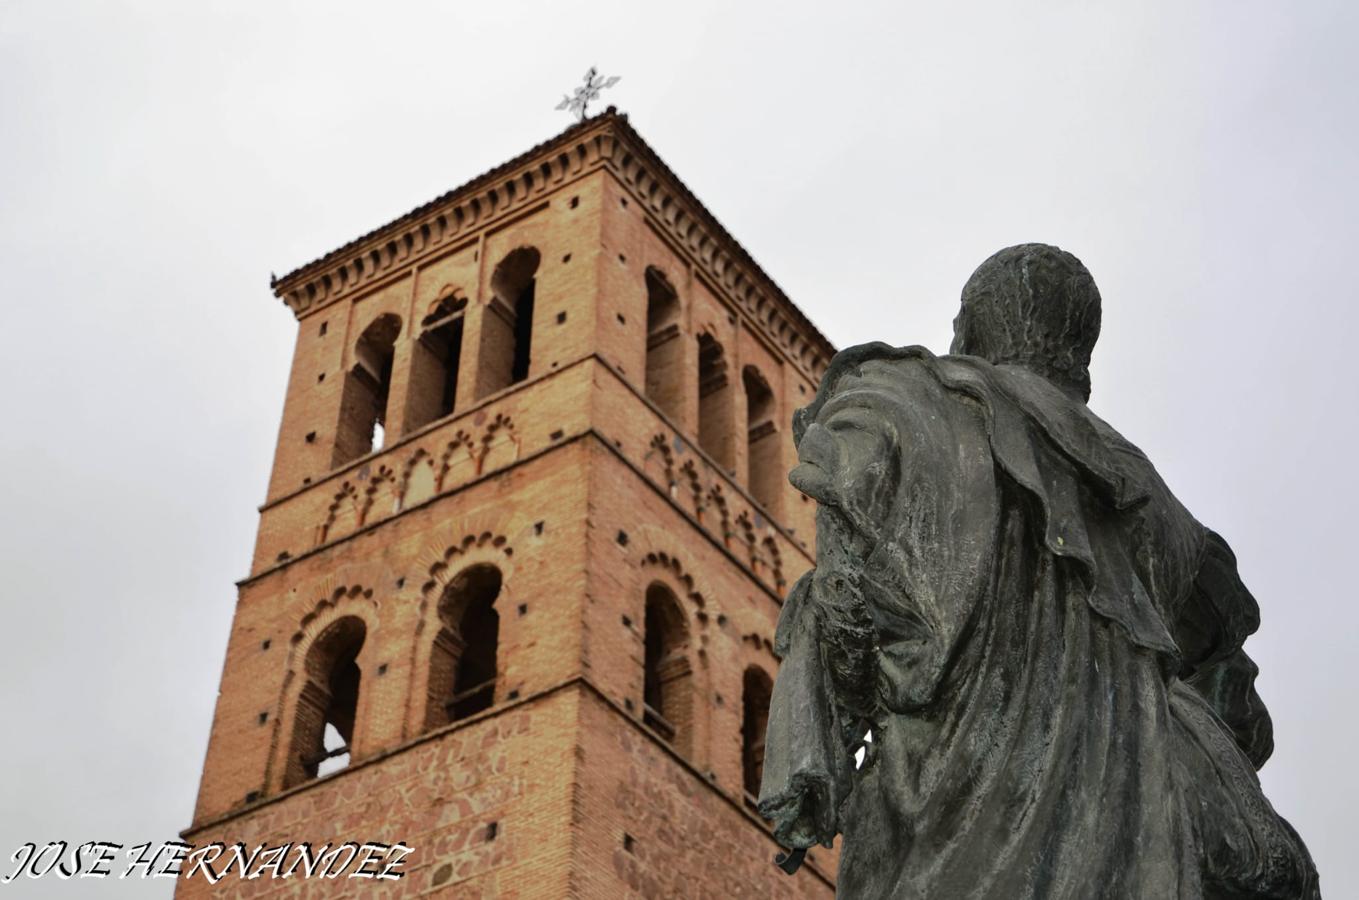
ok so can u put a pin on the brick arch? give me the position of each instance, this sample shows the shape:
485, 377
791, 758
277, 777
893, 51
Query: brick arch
342, 516
457, 463
659, 561
499, 445
352, 599
775, 560
659, 462
419, 479
337, 605
756, 691
439, 568
448, 291
692, 488
758, 650
380, 498
656, 566
716, 500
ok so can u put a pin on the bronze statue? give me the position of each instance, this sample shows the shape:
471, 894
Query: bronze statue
1042, 642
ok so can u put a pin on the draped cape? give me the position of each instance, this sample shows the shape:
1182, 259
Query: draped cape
1096, 732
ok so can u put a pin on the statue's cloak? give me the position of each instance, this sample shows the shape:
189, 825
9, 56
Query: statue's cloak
1095, 732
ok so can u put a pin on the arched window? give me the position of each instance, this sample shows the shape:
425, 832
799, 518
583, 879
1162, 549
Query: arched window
664, 349
434, 363
507, 326
323, 725
756, 690
764, 468
714, 404
363, 401
667, 690
462, 669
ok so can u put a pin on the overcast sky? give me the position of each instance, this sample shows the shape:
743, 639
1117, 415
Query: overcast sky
160, 159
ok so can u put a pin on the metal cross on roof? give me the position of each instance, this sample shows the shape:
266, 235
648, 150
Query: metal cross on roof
594, 83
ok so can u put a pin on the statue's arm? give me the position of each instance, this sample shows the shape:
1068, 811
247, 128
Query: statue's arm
1211, 631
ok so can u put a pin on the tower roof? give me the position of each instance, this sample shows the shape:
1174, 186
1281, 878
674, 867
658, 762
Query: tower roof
606, 140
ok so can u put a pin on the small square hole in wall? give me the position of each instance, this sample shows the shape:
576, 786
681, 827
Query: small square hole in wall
575, 201
513, 695
252, 796
622, 320
561, 317
537, 527
721, 619
556, 435
523, 609
283, 556
802, 389
717, 698
320, 378
307, 480
492, 830
627, 704
622, 538
401, 582
566, 258
623, 201
629, 843
321, 332
311, 437
382, 669
627, 622
264, 717
622, 258
265, 644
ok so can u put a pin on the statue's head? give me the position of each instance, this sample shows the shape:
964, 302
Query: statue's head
1036, 306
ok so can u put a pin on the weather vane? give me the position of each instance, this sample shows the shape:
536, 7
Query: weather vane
594, 83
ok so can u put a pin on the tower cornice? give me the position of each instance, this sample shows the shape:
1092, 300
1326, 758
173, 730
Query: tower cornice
605, 141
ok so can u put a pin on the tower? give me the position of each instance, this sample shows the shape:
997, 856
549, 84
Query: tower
526, 538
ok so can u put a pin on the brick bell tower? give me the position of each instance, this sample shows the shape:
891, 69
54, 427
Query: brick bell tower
526, 539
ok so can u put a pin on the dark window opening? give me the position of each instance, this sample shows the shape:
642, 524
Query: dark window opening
506, 346
715, 426
667, 704
764, 468
664, 347
363, 403
437, 355
755, 694
323, 727
463, 663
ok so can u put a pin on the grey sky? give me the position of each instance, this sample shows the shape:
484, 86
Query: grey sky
160, 159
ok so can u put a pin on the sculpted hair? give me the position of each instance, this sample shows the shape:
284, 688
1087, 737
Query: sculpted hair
1036, 306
